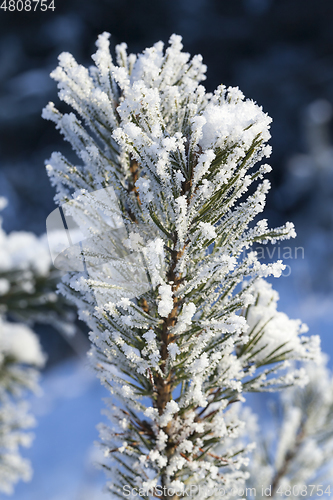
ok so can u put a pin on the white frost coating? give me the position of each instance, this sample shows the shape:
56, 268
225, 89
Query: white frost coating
134, 242
28, 280
27, 293
14, 420
304, 434
173, 350
228, 123
143, 186
200, 364
151, 412
162, 439
23, 250
151, 350
185, 317
181, 210
203, 165
170, 409
181, 162
207, 230
165, 304
155, 456
278, 332
19, 342
154, 254
20, 353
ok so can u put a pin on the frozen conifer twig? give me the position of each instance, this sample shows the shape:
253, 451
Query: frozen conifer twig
20, 359
28, 281
178, 355
300, 454
27, 295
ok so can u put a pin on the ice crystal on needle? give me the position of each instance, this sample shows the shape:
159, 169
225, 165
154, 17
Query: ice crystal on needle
176, 353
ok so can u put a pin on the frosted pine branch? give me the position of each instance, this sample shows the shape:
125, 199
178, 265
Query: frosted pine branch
28, 281
174, 164
300, 454
20, 358
28, 295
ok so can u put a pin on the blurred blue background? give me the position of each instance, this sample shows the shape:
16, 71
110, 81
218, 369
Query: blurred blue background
280, 53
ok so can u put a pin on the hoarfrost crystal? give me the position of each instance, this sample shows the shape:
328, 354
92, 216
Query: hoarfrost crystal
177, 353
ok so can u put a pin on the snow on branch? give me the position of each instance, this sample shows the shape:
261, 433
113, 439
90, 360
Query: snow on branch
203, 329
